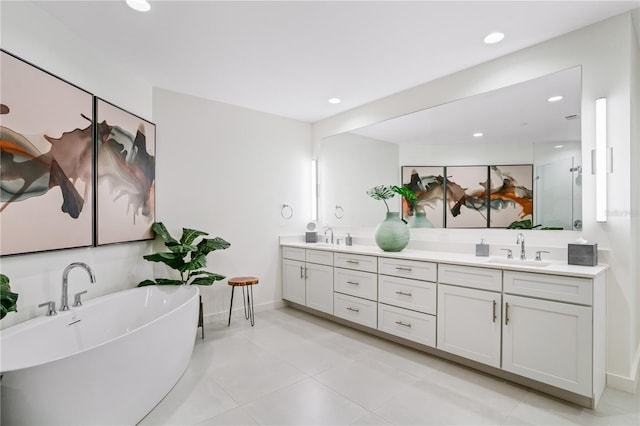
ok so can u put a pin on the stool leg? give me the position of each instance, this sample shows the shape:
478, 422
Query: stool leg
231, 305
252, 312
244, 303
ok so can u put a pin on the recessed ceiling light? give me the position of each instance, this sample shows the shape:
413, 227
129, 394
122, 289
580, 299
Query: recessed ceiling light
494, 38
478, 134
555, 98
559, 146
139, 5
335, 100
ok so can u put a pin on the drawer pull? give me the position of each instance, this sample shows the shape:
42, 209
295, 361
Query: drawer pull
355, 262
494, 311
301, 273
404, 324
349, 308
403, 268
353, 282
506, 314
402, 293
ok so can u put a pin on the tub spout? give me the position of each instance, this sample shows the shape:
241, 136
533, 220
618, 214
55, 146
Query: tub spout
64, 304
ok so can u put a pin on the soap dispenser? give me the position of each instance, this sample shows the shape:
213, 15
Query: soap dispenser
482, 249
348, 240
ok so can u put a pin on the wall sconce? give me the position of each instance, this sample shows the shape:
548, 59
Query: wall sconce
601, 160
314, 189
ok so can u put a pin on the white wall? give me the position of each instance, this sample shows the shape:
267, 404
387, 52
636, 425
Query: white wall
350, 164
228, 170
33, 35
220, 168
604, 52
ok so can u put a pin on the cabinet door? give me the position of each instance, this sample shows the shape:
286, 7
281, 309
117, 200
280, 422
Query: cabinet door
293, 288
469, 323
319, 287
550, 342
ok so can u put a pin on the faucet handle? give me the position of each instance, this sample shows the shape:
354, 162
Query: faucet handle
51, 307
538, 254
509, 253
77, 298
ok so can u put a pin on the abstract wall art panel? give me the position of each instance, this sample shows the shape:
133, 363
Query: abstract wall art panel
511, 195
466, 196
125, 189
427, 183
46, 160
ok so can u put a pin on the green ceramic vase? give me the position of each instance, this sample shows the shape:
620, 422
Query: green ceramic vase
420, 221
392, 234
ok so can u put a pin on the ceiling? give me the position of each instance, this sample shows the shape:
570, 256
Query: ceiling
288, 58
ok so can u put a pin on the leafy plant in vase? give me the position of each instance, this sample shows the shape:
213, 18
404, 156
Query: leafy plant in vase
391, 234
188, 258
8, 299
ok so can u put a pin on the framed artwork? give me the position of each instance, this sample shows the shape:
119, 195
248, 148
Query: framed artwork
125, 175
511, 195
46, 155
427, 183
466, 196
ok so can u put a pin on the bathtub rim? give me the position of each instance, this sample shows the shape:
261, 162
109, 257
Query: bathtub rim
35, 322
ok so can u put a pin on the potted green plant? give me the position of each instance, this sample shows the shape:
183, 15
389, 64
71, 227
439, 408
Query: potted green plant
8, 299
186, 256
392, 234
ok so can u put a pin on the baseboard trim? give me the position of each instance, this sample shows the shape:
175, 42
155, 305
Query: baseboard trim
224, 315
627, 384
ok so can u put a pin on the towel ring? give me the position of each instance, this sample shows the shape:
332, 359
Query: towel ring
339, 212
286, 211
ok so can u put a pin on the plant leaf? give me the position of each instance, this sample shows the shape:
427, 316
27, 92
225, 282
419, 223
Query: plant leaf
208, 279
189, 235
146, 283
199, 261
8, 299
161, 230
208, 245
166, 281
172, 260
380, 192
406, 193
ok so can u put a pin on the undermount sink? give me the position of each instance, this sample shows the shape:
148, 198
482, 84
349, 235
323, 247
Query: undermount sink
518, 262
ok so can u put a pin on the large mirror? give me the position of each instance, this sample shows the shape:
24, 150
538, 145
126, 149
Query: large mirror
516, 125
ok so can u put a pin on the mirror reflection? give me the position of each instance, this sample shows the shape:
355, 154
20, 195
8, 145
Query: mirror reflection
521, 124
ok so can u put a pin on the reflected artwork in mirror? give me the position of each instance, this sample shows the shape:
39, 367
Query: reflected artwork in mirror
515, 125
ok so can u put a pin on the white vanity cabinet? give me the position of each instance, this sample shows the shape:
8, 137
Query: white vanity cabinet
307, 278
469, 312
356, 288
551, 341
407, 294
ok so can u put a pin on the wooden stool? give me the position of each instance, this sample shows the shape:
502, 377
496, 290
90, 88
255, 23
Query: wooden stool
248, 303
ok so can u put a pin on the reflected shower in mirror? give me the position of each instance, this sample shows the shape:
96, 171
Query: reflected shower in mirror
519, 124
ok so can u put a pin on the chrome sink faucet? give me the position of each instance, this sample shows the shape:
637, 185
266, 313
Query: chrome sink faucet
64, 304
325, 234
520, 241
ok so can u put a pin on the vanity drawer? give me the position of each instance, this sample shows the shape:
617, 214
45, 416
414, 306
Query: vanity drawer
410, 325
355, 309
356, 261
551, 287
469, 276
293, 253
410, 294
356, 283
320, 257
415, 269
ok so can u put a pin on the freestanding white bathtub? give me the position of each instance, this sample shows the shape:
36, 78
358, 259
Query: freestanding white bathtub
108, 362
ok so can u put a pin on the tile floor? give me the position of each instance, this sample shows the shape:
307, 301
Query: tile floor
293, 368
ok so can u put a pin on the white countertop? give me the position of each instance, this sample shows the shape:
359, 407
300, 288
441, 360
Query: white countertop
555, 267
